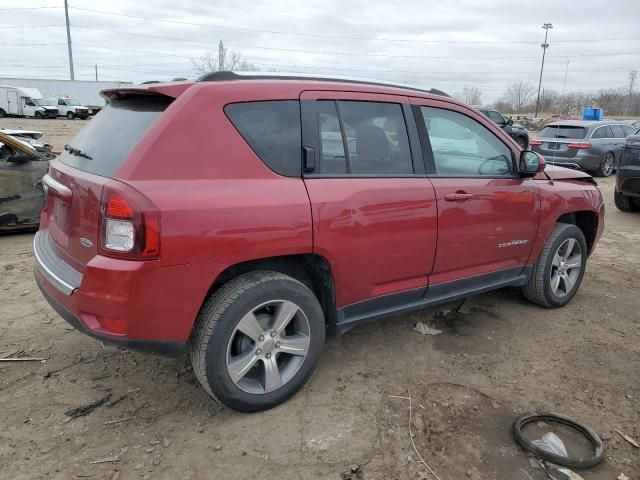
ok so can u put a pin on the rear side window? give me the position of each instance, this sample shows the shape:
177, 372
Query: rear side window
563, 131
602, 132
272, 130
618, 131
363, 138
108, 138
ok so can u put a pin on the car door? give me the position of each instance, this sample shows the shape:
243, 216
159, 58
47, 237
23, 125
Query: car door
497, 118
487, 215
62, 107
374, 212
619, 135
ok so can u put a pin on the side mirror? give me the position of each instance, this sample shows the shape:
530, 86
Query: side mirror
530, 164
510, 121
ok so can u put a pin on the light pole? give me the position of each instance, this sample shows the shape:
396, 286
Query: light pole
66, 16
544, 46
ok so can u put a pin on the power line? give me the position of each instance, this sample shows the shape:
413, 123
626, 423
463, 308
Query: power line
337, 37
26, 8
356, 54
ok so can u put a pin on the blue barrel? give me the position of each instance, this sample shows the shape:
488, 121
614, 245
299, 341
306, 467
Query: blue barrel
592, 113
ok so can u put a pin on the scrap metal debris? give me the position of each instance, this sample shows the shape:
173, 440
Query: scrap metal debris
627, 438
425, 329
113, 459
85, 409
23, 359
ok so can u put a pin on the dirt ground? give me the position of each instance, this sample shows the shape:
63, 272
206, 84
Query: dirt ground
501, 358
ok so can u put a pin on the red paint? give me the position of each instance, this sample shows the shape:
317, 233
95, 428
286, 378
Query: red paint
219, 205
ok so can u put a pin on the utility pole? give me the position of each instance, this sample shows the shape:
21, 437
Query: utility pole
632, 80
544, 46
220, 56
564, 87
96, 72
66, 16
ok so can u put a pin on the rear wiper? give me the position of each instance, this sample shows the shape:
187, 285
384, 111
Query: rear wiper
77, 152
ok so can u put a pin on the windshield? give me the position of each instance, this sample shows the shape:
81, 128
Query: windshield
563, 131
102, 146
72, 101
41, 102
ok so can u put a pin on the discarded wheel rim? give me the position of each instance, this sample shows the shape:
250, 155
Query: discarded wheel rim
575, 462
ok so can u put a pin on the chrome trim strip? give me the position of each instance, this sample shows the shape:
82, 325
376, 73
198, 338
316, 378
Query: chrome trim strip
55, 280
56, 185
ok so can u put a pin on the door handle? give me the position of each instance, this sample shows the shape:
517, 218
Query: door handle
457, 197
309, 159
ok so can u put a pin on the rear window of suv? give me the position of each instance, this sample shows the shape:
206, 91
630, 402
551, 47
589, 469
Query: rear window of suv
272, 130
112, 134
563, 131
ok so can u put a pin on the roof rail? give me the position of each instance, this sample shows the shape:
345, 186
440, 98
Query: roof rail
224, 76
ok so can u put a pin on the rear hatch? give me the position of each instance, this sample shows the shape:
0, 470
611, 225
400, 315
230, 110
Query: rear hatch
90, 160
560, 141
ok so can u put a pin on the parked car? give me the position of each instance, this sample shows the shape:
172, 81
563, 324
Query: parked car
244, 217
21, 172
70, 108
627, 192
518, 132
593, 146
25, 102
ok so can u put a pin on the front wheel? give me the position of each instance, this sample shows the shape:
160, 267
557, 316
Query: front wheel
624, 202
522, 142
39, 115
70, 115
558, 272
257, 340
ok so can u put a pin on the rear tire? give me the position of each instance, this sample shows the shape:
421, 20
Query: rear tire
257, 340
607, 165
624, 202
558, 272
3, 113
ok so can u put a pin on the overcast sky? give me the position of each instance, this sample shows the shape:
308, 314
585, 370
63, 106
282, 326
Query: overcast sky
445, 44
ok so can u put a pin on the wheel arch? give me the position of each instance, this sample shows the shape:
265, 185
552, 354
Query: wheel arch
313, 270
586, 221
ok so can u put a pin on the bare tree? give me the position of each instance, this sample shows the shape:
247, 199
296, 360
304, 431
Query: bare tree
519, 94
471, 95
226, 59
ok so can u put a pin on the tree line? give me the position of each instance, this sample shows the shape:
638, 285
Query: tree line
520, 97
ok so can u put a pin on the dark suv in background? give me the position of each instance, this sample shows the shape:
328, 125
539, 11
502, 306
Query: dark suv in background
516, 131
627, 193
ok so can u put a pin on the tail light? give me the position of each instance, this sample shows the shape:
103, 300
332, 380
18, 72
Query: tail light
580, 145
130, 224
535, 143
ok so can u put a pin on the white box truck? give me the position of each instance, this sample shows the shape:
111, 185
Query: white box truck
26, 102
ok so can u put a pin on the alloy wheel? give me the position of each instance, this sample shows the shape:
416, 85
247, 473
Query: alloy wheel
607, 164
565, 267
268, 346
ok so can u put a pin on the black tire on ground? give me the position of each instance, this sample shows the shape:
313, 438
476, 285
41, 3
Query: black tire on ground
607, 165
538, 290
625, 203
39, 115
522, 142
70, 115
216, 326
3, 113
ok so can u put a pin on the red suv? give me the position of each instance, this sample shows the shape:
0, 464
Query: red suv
244, 218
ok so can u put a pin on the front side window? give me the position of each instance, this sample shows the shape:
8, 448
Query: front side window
463, 147
272, 130
363, 138
496, 117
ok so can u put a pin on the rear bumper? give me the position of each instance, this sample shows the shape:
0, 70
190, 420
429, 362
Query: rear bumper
158, 347
153, 306
584, 160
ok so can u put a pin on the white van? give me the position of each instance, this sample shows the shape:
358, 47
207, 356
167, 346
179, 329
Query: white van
70, 108
26, 102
